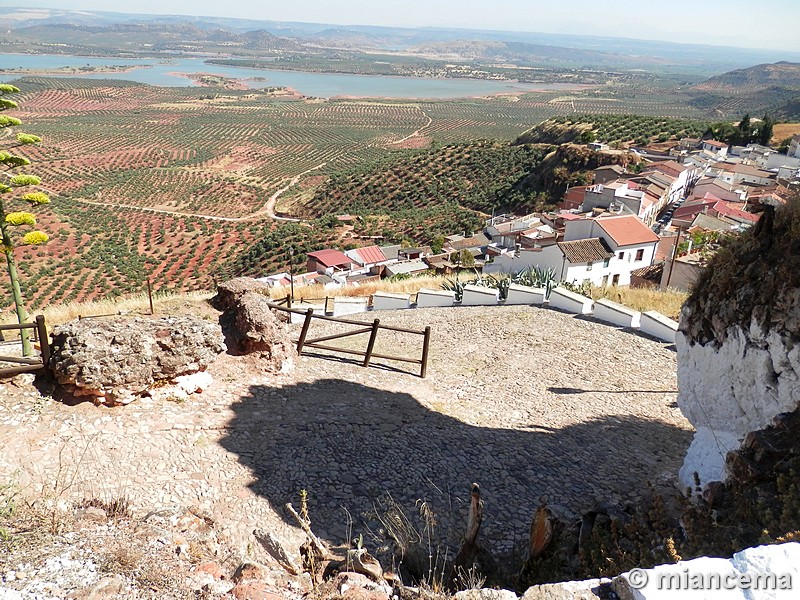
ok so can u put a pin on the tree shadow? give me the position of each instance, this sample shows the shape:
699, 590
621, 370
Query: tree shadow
349, 445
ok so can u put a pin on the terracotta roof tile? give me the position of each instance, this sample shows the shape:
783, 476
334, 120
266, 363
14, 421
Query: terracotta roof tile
585, 251
627, 230
331, 258
370, 255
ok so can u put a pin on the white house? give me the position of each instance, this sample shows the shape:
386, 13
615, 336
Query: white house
602, 251
794, 147
715, 147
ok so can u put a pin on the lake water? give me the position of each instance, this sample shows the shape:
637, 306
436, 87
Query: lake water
161, 72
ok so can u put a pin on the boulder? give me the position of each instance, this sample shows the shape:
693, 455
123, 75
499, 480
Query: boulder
118, 360
229, 292
252, 326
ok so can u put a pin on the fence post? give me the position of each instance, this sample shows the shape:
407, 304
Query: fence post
150, 296
289, 300
371, 344
325, 310
44, 340
425, 346
304, 332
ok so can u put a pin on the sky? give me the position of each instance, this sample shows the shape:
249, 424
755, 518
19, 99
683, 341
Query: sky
768, 24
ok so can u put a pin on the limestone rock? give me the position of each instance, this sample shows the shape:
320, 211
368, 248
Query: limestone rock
566, 590
117, 360
252, 325
229, 292
485, 594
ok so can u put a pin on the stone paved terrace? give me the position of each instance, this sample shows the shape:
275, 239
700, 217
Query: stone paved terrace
527, 402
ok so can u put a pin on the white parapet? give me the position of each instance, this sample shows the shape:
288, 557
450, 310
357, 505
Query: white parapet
562, 299
661, 327
523, 294
387, 301
617, 314
476, 295
433, 298
760, 573
295, 318
342, 305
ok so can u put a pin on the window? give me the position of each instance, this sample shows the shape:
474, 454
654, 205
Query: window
622, 256
640, 254
606, 262
589, 266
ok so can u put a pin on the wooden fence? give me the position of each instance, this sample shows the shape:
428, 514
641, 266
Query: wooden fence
28, 364
372, 329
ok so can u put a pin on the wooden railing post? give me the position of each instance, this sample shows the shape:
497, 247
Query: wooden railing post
426, 341
371, 344
289, 300
150, 296
44, 339
304, 332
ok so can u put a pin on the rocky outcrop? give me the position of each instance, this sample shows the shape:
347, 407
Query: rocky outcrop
739, 343
229, 292
114, 361
252, 326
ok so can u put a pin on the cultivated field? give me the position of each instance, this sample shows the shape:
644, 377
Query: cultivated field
175, 183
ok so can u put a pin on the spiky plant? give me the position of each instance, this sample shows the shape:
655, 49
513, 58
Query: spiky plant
16, 227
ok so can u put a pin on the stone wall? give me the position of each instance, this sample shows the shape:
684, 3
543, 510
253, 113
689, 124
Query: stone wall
739, 343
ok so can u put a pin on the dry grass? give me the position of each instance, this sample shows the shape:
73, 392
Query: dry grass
782, 131
405, 286
668, 302
164, 304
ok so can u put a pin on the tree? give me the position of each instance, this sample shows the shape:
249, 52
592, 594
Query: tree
764, 131
744, 131
465, 258
16, 187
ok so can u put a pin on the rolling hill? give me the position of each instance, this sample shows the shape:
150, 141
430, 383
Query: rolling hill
766, 88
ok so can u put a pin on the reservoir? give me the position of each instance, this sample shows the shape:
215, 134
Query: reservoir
163, 72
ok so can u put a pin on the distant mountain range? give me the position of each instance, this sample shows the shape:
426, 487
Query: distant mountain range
142, 32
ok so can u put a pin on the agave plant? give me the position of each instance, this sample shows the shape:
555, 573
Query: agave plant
536, 276
454, 285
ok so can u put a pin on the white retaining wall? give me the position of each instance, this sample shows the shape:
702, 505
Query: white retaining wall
652, 323
388, 301
348, 306
475, 295
523, 294
616, 314
571, 302
434, 298
295, 318
661, 327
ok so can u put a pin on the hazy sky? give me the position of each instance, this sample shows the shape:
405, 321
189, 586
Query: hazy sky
773, 24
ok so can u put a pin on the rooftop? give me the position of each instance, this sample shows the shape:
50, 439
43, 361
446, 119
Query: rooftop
369, 255
627, 230
331, 258
585, 251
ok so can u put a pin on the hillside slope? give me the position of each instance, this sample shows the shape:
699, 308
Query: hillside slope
772, 88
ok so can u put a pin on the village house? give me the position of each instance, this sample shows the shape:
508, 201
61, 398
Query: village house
739, 174
329, 262
794, 147
370, 258
602, 251
627, 195
715, 147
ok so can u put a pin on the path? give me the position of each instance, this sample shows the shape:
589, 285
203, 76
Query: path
527, 402
417, 132
267, 210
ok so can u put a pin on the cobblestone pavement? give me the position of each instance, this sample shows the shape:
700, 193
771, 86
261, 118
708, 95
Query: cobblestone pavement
527, 402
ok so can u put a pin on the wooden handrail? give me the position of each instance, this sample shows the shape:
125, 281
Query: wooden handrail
303, 341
